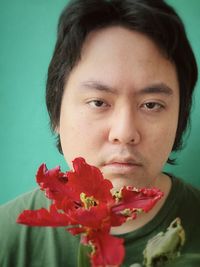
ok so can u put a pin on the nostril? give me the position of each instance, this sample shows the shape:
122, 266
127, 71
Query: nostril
115, 140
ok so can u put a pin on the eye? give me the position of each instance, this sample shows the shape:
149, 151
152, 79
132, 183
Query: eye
97, 103
153, 106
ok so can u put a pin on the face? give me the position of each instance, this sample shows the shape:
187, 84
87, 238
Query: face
120, 107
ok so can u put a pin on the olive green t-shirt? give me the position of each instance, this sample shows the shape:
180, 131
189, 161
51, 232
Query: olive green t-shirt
23, 246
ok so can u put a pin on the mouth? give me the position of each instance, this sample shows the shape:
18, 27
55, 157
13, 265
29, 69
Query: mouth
122, 166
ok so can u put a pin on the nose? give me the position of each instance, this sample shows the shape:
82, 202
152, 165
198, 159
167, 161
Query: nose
124, 128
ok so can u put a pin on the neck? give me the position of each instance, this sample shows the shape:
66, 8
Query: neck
164, 184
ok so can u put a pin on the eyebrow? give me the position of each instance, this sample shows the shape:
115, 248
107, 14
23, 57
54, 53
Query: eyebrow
157, 88
98, 86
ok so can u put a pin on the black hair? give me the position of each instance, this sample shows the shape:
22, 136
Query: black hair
154, 18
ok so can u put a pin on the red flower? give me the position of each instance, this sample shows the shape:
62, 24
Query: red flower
82, 201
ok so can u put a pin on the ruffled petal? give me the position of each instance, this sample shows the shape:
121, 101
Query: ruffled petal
133, 200
88, 179
53, 182
43, 217
108, 250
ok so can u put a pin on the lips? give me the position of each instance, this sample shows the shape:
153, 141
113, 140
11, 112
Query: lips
123, 161
121, 165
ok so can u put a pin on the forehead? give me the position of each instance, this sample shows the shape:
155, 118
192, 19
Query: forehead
119, 56
121, 40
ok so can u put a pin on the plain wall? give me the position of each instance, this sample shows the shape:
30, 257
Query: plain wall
28, 33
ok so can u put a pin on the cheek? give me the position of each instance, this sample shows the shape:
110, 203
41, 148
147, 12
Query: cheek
162, 143
80, 137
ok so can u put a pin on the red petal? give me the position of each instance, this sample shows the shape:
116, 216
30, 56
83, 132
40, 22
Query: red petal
88, 179
96, 217
117, 219
53, 182
43, 217
134, 199
109, 250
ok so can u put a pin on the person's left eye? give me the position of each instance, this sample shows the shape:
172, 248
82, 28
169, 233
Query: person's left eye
153, 106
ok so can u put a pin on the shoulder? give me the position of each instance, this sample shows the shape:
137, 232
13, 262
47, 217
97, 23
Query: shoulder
32, 200
186, 192
21, 245
185, 199
10, 211
187, 206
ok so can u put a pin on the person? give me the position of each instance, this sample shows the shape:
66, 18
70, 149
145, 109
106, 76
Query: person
119, 93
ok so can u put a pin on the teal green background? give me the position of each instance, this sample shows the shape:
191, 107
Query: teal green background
28, 33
